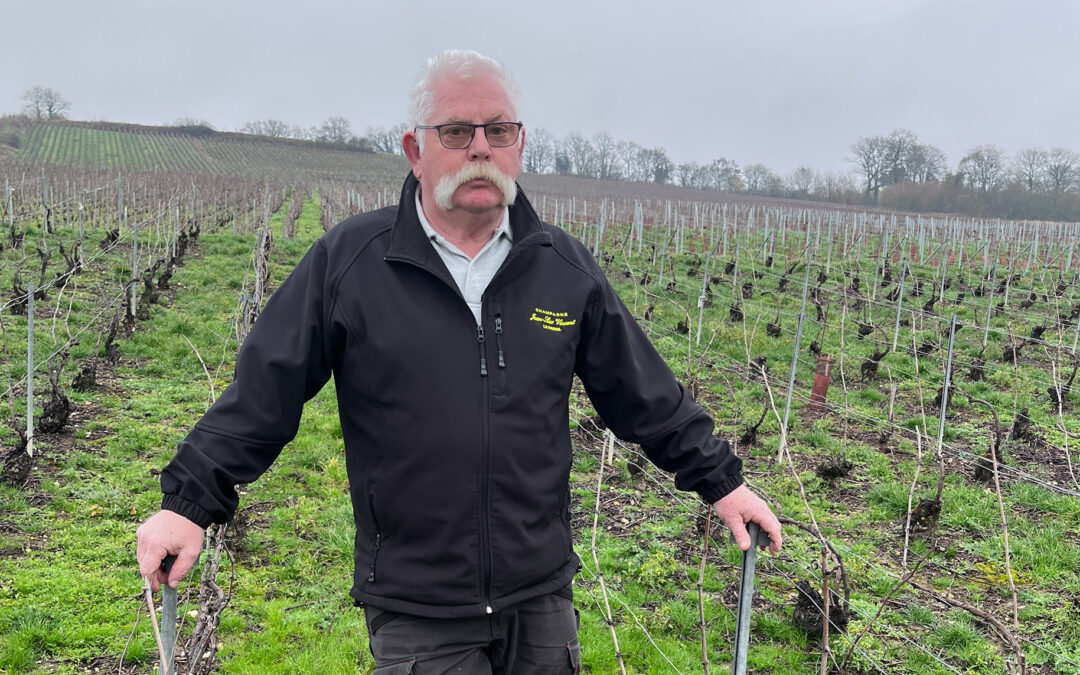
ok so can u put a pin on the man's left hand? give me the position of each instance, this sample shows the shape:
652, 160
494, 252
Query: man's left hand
740, 506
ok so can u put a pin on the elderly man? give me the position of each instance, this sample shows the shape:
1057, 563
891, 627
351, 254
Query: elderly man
453, 325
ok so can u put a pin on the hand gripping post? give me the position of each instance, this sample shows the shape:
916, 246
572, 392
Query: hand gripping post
746, 596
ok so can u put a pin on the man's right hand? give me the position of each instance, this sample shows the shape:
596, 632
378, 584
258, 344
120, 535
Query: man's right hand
167, 533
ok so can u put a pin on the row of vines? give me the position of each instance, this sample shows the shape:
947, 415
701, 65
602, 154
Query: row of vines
929, 489
126, 148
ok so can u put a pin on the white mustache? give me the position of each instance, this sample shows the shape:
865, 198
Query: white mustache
449, 183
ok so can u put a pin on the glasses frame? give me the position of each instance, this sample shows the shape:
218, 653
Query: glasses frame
439, 127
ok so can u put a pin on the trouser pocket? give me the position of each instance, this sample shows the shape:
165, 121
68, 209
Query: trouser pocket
573, 656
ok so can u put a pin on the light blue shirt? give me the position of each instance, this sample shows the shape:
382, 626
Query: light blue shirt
472, 275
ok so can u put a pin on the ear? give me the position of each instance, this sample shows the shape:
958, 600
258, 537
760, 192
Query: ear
521, 145
411, 147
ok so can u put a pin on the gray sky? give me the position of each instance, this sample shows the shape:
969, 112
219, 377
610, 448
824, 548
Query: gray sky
783, 82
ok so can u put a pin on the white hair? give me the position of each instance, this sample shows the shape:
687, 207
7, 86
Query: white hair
456, 65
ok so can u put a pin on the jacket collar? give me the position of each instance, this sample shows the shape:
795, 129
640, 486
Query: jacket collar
408, 241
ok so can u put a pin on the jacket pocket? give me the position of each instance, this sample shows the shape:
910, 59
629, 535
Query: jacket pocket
376, 543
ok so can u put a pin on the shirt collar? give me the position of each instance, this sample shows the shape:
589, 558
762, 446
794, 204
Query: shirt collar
502, 231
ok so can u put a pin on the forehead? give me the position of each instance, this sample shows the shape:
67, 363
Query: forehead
480, 99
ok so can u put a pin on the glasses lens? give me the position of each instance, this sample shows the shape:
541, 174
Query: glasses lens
456, 136
501, 135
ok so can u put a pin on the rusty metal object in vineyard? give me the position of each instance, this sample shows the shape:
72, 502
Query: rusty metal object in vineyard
820, 390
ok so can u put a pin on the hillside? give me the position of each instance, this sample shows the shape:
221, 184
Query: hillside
198, 150
202, 151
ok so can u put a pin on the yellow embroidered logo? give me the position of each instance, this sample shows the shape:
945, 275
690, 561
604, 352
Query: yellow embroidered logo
549, 320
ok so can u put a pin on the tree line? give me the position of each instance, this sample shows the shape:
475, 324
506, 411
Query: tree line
894, 170
897, 171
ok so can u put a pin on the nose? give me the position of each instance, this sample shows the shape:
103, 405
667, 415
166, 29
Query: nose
479, 148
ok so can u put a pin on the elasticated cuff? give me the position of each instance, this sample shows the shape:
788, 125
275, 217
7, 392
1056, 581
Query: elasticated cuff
715, 493
187, 509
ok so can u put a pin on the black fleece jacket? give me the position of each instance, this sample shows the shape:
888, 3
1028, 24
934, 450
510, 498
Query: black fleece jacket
457, 439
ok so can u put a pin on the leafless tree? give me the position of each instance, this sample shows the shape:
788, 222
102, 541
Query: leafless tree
802, 181
269, 127
898, 148
719, 174
582, 155
336, 130
643, 164
1061, 171
606, 160
192, 122
397, 131
539, 151
689, 174
926, 163
627, 152
383, 139
871, 155
760, 179
278, 129
983, 168
1028, 168
724, 175
836, 186
658, 166
45, 103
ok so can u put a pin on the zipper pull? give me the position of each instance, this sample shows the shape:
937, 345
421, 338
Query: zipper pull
371, 565
498, 339
483, 359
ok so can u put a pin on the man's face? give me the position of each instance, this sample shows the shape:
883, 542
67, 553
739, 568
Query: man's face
477, 101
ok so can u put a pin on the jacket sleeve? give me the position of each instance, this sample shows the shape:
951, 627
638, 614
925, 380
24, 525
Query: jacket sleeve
640, 400
284, 361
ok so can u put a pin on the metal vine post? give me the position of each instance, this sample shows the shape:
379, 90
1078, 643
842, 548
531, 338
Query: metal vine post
701, 590
794, 358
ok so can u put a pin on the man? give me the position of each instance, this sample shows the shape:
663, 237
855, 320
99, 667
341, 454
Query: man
453, 326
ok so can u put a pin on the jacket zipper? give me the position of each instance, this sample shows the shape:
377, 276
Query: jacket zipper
485, 545
485, 452
498, 339
378, 538
483, 358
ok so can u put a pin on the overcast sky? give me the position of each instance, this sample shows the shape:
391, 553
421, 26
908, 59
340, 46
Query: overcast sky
785, 83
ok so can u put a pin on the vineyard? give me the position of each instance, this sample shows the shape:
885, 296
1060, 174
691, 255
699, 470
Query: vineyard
928, 485
192, 150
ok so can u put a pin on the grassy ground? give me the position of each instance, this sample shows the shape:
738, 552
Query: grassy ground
70, 590
70, 596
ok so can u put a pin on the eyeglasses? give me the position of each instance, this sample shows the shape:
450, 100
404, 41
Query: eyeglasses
459, 135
